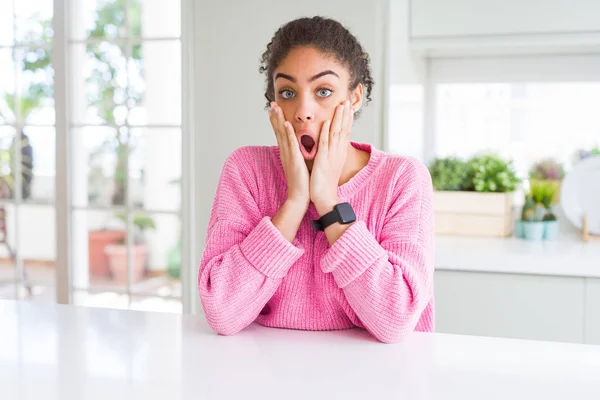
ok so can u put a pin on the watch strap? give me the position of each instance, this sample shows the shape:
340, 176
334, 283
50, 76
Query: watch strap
328, 219
336, 215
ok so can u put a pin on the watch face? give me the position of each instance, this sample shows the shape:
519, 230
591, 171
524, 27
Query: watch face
346, 213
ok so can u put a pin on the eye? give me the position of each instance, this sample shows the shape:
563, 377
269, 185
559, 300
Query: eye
324, 92
286, 94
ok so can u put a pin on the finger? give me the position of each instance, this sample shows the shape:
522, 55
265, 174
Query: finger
278, 120
273, 115
338, 117
291, 135
350, 123
324, 136
273, 120
347, 116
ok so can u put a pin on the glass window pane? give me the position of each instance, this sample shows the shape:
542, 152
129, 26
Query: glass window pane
38, 164
95, 233
7, 177
8, 291
155, 18
522, 121
7, 86
155, 79
158, 246
99, 90
33, 21
35, 292
102, 152
8, 272
37, 244
36, 97
155, 168
97, 19
6, 22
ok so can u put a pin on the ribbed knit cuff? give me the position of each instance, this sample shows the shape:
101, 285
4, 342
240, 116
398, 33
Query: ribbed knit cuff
268, 251
352, 254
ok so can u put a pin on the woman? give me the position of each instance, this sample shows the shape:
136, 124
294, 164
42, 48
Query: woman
318, 232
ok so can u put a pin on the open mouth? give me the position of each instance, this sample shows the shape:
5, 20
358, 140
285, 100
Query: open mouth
308, 143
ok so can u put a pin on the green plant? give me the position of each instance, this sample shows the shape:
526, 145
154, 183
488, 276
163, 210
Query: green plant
547, 169
543, 193
528, 212
141, 222
492, 173
448, 173
549, 216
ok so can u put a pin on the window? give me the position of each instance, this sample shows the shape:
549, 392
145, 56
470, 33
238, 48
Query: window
524, 108
124, 85
126, 141
27, 156
525, 122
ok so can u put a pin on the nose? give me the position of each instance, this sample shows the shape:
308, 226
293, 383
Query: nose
305, 112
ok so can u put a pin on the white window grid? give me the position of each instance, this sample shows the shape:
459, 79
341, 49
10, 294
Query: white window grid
60, 46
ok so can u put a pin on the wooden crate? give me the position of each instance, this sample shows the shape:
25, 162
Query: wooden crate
473, 213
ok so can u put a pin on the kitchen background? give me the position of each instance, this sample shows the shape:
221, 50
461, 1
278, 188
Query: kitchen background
116, 117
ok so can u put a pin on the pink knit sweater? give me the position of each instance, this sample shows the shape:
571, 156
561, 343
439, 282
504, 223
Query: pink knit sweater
378, 275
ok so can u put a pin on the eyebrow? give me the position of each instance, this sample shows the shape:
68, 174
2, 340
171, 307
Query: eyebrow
317, 76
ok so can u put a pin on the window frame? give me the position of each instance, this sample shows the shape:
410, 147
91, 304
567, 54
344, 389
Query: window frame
64, 180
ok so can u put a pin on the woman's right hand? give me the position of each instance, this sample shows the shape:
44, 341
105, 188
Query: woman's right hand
294, 167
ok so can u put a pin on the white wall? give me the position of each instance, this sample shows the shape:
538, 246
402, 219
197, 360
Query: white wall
407, 75
439, 18
229, 40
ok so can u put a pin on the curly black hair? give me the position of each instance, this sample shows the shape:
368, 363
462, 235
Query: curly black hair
326, 35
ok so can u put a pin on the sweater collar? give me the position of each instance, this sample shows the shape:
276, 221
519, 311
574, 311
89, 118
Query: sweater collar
348, 189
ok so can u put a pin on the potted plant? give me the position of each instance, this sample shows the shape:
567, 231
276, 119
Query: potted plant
548, 169
473, 197
549, 219
537, 218
582, 154
99, 238
532, 226
449, 173
117, 252
538, 189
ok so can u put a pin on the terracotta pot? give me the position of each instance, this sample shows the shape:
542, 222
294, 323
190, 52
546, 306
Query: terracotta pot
117, 261
97, 242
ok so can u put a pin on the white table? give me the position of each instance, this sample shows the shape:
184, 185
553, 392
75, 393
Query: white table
73, 353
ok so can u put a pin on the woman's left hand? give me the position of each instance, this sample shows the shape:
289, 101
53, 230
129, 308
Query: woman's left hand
330, 159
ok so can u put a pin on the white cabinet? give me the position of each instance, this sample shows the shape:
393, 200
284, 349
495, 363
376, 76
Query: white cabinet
443, 18
512, 305
592, 311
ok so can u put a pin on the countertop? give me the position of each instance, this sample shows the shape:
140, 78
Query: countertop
74, 353
567, 256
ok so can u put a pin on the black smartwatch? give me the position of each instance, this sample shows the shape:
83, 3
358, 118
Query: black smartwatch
342, 213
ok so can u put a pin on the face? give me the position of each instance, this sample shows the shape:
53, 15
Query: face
309, 85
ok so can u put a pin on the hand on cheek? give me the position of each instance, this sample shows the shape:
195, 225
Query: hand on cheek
330, 159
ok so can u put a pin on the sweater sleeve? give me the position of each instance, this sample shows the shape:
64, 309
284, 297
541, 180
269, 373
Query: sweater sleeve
389, 283
245, 256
